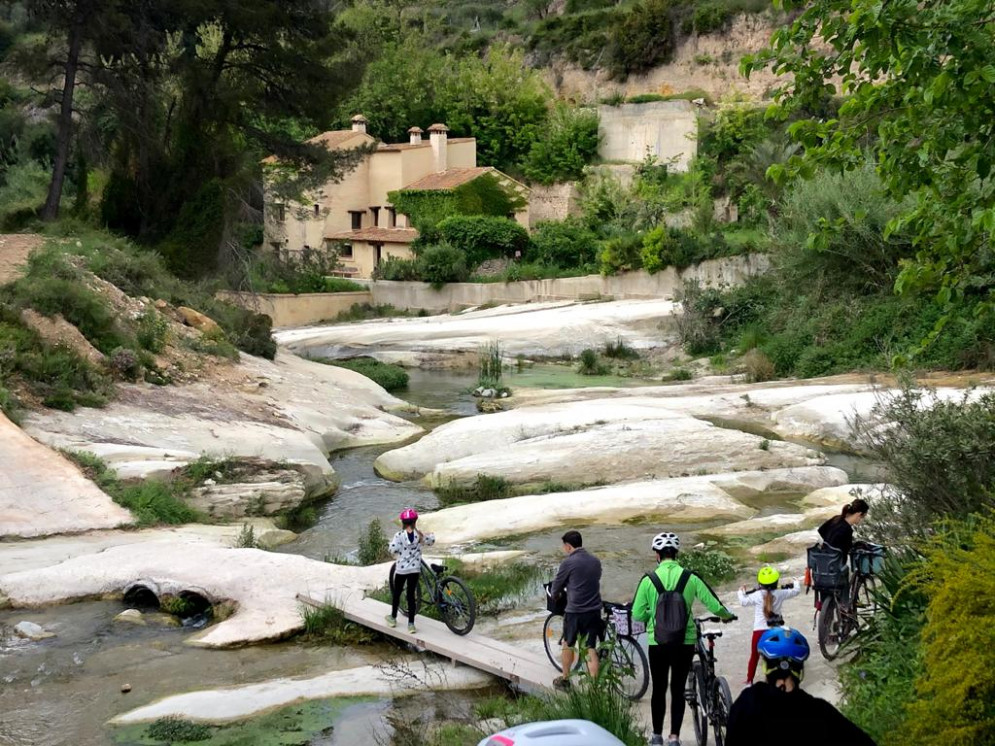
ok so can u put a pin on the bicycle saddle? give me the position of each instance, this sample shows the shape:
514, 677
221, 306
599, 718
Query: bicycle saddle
438, 569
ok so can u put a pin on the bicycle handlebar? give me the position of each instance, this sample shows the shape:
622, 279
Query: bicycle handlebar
704, 619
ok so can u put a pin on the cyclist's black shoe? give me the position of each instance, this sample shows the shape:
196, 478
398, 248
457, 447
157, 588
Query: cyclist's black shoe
562, 683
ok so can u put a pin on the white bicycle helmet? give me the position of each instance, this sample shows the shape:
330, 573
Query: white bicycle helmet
553, 733
666, 540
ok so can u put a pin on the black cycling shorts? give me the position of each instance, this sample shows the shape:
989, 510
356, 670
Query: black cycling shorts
585, 624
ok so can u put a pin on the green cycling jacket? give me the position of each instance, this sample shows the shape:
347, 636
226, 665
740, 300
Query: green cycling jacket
669, 572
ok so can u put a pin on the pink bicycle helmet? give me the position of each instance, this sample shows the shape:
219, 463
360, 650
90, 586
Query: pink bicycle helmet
409, 514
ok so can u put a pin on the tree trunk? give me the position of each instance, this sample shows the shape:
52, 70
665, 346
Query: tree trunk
65, 124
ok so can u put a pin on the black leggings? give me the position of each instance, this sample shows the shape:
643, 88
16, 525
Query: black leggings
399, 582
675, 661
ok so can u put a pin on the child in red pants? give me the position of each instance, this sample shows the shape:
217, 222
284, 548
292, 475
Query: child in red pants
767, 601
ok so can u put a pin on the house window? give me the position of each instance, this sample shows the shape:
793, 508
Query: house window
391, 217
376, 216
317, 210
357, 219
281, 212
378, 248
345, 250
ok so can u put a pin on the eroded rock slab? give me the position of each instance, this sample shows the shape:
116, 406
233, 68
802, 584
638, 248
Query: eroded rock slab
42, 492
683, 500
533, 329
235, 703
604, 440
292, 410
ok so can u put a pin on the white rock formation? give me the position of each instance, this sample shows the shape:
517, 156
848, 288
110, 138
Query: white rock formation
42, 492
32, 631
682, 500
291, 409
794, 543
586, 442
533, 329
234, 703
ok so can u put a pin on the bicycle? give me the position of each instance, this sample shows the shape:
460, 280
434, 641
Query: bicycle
839, 618
708, 696
618, 644
452, 597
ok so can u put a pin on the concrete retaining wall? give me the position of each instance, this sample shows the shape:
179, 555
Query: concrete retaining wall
310, 308
297, 310
418, 296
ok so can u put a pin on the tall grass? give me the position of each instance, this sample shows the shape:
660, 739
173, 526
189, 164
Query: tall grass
484, 487
373, 544
489, 366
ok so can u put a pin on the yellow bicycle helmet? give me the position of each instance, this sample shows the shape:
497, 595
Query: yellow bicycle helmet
768, 575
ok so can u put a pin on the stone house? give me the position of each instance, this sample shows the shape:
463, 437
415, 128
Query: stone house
355, 214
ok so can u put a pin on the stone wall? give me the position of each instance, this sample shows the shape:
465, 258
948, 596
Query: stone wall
555, 202
297, 310
417, 296
665, 129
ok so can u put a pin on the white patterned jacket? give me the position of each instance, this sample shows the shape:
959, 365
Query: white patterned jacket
408, 552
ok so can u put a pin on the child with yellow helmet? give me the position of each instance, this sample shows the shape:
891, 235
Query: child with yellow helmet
767, 601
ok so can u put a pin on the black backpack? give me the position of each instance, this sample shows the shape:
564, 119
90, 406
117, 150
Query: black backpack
671, 620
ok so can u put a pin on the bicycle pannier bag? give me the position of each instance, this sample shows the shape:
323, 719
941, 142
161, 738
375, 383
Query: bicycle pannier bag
828, 568
559, 606
670, 621
868, 561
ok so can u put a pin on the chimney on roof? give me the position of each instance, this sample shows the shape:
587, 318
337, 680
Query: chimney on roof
359, 123
439, 139
415, 133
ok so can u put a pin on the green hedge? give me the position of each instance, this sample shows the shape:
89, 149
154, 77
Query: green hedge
482, 237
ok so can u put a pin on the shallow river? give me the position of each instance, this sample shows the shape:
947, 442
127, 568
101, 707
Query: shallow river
62, 691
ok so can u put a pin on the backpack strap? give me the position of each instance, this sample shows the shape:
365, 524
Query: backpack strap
682, 581
655, 580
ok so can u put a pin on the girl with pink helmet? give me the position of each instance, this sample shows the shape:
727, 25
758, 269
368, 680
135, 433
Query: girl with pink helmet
405, 547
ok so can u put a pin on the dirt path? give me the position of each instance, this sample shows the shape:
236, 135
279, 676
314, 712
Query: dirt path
14, 250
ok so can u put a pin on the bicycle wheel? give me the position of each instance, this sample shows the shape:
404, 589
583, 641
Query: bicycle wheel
552, 639
864, 599
457, 606
830, 628
633, 669
721, 704
699, 706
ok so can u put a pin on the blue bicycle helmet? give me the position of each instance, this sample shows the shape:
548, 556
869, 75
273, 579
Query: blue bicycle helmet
783, 650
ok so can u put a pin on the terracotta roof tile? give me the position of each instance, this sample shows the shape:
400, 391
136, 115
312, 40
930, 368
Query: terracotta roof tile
378, 235
333, 140
396, 146
449, 179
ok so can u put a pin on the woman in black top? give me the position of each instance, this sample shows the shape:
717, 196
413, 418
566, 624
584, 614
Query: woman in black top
837, 532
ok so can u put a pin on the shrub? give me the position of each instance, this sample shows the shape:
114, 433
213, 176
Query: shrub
22, 194
373, 544
940, 456
590, 365
152, 331
567, 243
395, 268
387, 375
483, 488
955, 694
641, 39
482, 237
713, 565
619, 350
442, 263
295, 272
124, 363
679, 374
172, 729
567, 144
695, 324
759, 367
621, 254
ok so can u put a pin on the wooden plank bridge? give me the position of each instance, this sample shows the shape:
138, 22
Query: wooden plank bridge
523, 668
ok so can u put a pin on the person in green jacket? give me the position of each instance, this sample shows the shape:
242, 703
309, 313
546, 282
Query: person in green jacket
671, 660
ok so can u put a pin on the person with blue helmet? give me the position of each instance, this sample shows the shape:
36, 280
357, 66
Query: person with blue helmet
815, 722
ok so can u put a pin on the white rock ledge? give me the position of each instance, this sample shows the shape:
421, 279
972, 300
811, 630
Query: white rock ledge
680, 500
236, 703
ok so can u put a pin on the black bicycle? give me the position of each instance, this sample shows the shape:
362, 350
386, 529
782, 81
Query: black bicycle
448, 594
842, 612
618, 644
707, 695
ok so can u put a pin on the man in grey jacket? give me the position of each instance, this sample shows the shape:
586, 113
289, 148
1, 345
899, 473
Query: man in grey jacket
580, 576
